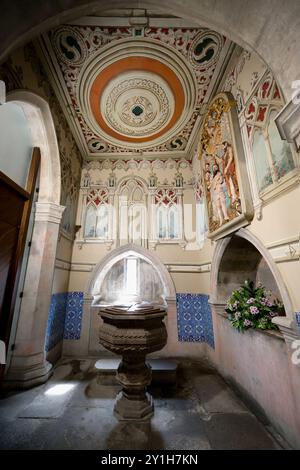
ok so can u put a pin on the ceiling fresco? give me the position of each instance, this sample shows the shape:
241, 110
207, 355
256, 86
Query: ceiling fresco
133, 92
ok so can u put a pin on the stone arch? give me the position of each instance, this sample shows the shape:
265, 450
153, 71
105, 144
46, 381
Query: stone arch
135, 178
130, 208
38, 114
28, 365
248, 252
106, 263
89, 342
258, 27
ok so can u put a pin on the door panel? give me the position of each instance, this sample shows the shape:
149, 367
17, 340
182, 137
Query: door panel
15, 208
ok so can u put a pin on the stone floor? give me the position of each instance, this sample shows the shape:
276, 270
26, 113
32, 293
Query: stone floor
74, 410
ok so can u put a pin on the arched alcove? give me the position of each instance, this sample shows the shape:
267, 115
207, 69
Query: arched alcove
132, 193
102, 269
256, 361
127, 179
242, 256
159, 274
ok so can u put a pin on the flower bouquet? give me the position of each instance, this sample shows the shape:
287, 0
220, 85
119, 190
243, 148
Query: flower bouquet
252, 307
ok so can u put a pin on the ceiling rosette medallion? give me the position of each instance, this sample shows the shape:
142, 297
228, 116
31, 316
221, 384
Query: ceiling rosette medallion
137, 93
137, 106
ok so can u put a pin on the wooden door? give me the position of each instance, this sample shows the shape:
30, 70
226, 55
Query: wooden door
15, 207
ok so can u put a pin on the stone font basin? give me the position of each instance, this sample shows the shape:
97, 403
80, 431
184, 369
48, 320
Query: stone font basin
133, 332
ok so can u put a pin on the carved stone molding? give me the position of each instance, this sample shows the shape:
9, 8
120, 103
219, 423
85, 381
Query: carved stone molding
48, 212
287, 328
288, 122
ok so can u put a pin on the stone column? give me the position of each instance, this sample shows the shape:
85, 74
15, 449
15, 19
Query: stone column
28, 365
179, 194
152, 225
112, 216
80, 218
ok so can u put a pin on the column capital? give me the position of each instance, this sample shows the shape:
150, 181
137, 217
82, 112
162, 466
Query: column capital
152, 191
48, 212
288, 122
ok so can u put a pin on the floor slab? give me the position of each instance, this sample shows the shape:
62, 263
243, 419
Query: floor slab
74, 410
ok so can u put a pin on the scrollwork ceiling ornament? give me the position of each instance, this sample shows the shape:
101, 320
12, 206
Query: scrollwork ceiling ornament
96, 145
70, 156
179, 143
69, 46
205, 49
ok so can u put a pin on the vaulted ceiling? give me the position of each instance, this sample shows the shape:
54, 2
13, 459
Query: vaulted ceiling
134, 84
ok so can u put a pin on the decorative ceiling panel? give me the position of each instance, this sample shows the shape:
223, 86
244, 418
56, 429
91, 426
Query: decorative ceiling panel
129, 94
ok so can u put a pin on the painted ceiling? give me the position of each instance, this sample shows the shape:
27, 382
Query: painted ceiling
134, 91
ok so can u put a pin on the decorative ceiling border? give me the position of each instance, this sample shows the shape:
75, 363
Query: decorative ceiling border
134, 164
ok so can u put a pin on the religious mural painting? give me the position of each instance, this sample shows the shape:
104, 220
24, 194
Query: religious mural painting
225, 181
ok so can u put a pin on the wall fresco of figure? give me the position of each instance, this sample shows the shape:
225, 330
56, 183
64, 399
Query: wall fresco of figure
219, 151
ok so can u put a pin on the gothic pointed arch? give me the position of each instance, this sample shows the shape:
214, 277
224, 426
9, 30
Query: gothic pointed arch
248, 252
103, 267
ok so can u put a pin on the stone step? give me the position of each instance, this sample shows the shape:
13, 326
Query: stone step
164, 371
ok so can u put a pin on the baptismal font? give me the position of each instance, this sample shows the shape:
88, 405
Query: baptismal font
133, 331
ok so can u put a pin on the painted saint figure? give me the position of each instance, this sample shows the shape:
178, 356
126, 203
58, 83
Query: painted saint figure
218, 150
230, 172
208, 184
219, 198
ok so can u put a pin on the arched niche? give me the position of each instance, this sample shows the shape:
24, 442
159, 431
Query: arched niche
28, 365
242, 256
102, 269
91, 319
132, 192
257, 362
139, 182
